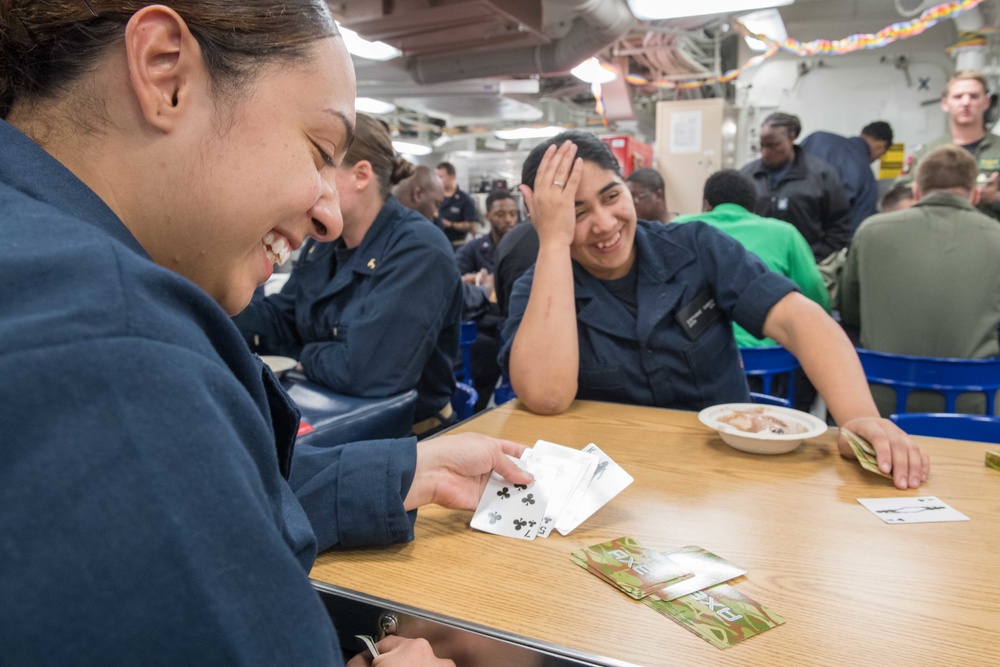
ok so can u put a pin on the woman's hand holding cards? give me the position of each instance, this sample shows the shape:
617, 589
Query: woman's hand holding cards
895, 451
452, 470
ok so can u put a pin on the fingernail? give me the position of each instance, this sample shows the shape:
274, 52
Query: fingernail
885, 466
901, 482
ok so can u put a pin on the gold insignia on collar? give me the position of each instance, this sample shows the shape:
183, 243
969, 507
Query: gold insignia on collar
371, 263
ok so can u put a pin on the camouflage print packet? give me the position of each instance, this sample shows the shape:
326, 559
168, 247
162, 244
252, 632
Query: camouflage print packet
993, 459
630, 566
720, 615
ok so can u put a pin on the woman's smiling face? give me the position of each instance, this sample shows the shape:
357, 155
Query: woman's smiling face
265, 180
604, 239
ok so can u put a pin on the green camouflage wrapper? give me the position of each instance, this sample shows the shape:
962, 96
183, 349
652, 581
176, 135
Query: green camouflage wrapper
993, 460
630, 566
720, 615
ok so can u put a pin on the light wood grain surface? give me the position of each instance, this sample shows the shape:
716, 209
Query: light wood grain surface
853, 589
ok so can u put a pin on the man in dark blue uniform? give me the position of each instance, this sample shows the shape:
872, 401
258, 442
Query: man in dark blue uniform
852, 158
458, 213
477, 262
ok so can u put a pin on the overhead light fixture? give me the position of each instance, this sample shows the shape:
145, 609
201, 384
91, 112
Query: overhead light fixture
409, 148
593, 70
656, 10
371, 105
765, 22
358, 46
529, 133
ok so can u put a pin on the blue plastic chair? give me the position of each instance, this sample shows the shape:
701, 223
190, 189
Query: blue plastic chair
951, 377
463, 401
466, 337
330, 419
504, 391
950, 425
767, 363
767, 399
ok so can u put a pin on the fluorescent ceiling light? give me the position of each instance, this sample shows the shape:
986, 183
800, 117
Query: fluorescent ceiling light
592, 70
655, 10
371, 105
362, 48
411, 148
766, 22
529, 133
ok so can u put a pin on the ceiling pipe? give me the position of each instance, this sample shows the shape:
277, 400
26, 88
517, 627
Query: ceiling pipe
599, 24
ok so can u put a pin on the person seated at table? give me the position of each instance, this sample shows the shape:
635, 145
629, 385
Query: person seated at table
897, 198
728, 199
477, 262
376, 312
641, 313
649, 194
146, 517
422, 191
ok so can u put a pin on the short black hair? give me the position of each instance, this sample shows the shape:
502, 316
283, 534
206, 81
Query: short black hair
648, 178
497, 195
791, 123
896, 194
879, 131
588, 147
730, 186
448, 167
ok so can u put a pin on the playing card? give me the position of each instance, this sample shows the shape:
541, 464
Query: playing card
721, 615
708, 569
369, 644
514, 510
631, 567
864, 452
588, 464
608, 480
925, 509
568, 474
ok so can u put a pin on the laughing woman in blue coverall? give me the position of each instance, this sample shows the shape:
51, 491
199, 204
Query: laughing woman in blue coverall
633, 312
151, 509
376, 312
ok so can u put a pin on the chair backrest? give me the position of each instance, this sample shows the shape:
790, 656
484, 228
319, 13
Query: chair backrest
949, 425
466, 337
767, 363
767, 399
330, 419
950, 377
463, 401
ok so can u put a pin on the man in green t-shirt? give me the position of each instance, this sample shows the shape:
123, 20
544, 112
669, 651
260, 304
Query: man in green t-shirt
729, 196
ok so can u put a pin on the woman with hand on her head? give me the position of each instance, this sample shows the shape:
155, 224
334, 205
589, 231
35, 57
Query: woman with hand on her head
635, 312
376, 312
154, 160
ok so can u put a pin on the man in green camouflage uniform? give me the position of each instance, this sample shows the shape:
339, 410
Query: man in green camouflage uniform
966, 101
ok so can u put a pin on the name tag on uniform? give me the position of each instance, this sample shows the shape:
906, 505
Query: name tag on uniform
698, 315
783, 204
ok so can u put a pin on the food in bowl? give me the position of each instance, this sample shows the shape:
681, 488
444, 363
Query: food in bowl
761, 429
759, 420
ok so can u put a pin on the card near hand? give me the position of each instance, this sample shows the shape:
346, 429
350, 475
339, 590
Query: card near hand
720, 615
925, 509
587, 463
608, 480
514, 510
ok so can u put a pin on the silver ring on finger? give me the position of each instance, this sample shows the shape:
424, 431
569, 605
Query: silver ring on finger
559, 184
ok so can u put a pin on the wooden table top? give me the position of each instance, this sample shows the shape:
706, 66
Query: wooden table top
852, 589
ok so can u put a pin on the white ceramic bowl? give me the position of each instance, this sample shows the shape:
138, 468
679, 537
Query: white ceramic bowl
278, 365
764, 442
